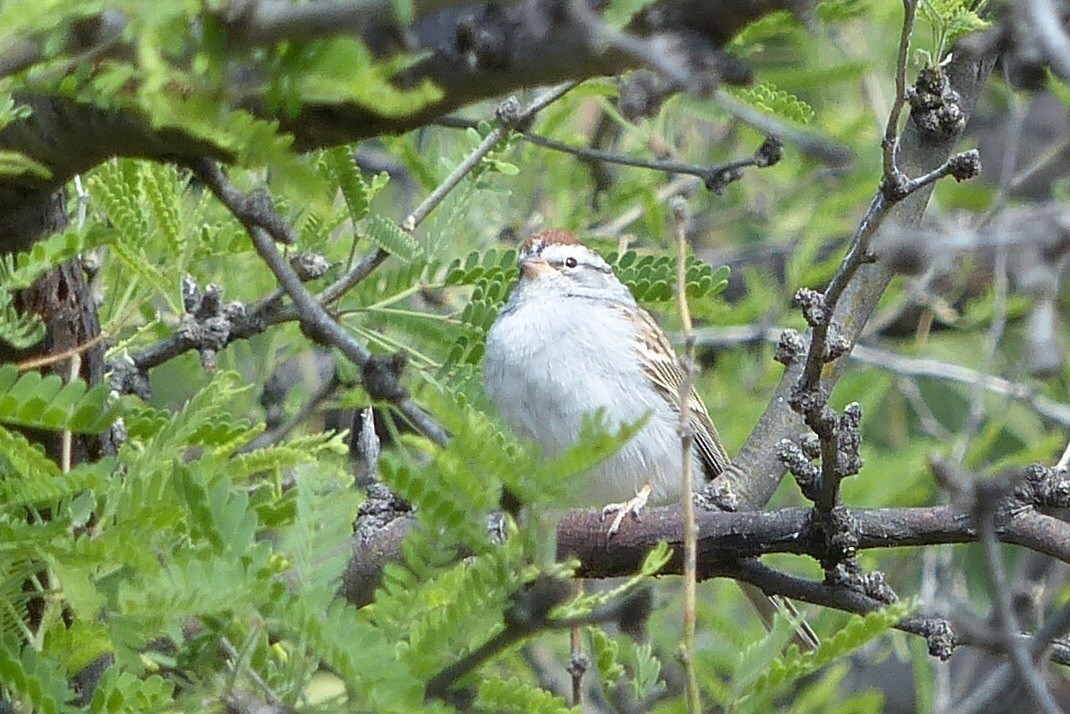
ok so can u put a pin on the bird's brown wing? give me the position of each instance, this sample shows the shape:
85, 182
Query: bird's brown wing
660, 362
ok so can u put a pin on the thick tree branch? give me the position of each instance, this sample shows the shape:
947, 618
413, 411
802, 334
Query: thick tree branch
475, 51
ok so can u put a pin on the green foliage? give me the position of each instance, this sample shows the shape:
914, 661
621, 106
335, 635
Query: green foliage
31, 400
778, 102
493, 273
32, 679
766, 667
119, 692
389, 236
619, 13
949, 20
187, 536
19, 271
514, 697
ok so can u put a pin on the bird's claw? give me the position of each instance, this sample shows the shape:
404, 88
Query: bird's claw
630, 507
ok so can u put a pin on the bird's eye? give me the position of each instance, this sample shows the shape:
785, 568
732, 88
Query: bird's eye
571, 262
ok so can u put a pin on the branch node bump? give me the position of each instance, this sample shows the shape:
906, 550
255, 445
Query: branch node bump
1044, 487
965, 166
800, 466
508, 112
381, 376
769, 153
718, 180
836, 345
718, 495
309, 265
936, 108
813, 306
941, 639
790, 347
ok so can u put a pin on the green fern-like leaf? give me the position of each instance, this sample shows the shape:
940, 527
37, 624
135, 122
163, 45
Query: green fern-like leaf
388, 235
26, 267
29, 476
29, 677
860, 630
653, 563
511, 695
606, 655
31, 400
14, 163
355, 190
19, 331
295, 451
646, 678
950, 20
78, 645
120, 692
162, 187
778, 102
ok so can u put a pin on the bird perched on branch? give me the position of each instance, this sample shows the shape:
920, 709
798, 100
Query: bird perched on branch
571, 341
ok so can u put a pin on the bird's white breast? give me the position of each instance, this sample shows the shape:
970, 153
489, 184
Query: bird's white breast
551, 362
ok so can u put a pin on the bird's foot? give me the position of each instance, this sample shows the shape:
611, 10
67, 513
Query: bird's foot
625, 508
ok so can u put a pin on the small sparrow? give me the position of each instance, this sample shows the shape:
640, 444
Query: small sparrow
571, 340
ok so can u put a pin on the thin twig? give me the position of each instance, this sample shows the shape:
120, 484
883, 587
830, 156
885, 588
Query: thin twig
993, 337
1057, 412
687, 438
708, 174
679, 186
236, 659
265, 226
1004, 612
577, 660
936, 630
996, 681
38, 362
510, 116
891, 131
818, 147
67, 437
439, 685
274, 436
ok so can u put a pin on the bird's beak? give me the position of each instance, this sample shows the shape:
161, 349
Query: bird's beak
533, 266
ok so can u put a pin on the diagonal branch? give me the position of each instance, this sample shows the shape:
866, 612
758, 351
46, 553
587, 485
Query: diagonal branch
756, 471
265, 226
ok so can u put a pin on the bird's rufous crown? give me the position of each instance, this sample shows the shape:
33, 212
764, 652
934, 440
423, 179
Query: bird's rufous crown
552, 236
